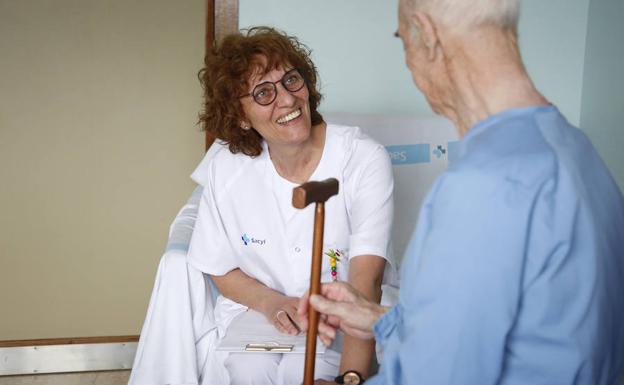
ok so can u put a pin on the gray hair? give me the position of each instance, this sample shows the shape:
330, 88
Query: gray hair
469, 13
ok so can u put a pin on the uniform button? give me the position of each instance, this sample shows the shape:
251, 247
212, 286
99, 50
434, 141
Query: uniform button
297, 249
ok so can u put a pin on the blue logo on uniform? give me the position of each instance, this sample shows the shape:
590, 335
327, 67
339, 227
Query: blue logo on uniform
247, 240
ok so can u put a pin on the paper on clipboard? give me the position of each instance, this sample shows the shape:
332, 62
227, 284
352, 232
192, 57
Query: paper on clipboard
251, 332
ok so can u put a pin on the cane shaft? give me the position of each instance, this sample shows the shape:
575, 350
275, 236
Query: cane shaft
315, 288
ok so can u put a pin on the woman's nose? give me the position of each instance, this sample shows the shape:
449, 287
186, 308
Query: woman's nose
284, 97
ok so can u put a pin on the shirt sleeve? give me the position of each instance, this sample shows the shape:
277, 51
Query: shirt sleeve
210, 250
371, 206
461, 285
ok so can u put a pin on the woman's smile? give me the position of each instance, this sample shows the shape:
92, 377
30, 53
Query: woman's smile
284, 120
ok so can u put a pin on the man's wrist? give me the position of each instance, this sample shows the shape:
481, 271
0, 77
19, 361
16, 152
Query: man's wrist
381, 311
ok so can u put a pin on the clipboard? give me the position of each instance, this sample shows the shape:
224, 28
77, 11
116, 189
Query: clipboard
270, 348
251, 332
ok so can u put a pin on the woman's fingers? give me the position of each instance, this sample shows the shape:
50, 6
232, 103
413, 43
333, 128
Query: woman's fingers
278, 323
302, 312
291, 312
286, 323
302, 306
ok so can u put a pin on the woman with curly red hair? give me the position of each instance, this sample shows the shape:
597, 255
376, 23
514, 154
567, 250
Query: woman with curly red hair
261, 105
228, 71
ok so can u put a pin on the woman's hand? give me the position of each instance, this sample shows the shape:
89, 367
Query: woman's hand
279, 309
282, 312
341, 307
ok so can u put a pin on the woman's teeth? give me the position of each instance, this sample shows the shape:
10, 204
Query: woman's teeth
289, 117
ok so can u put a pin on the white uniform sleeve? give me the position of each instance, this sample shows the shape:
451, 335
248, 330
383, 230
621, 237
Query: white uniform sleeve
210, 250
371, 205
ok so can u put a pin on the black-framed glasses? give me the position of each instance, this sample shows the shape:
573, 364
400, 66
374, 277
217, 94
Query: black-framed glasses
266, 92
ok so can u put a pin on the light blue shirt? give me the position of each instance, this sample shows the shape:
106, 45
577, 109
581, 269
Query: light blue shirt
515, 274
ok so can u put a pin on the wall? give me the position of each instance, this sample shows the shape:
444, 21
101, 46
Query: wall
98, 104
359, 59
361, 62
602, 112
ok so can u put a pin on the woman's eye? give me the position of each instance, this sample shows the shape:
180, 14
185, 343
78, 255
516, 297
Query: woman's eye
263, 93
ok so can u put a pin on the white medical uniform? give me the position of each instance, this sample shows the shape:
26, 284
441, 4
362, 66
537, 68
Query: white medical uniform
246, 220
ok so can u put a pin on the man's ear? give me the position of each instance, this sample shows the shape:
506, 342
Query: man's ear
427, 32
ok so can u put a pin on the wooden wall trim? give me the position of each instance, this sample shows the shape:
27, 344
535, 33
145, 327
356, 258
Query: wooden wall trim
210, 25
69, 341
226, 17
221, 19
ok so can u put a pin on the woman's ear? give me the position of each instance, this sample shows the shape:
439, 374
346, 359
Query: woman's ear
245, 125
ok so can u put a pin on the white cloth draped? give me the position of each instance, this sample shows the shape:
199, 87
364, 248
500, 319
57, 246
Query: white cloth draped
180, 328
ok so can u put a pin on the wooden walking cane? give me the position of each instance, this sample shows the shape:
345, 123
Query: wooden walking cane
319, 193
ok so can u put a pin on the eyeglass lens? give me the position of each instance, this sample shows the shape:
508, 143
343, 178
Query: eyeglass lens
266, 92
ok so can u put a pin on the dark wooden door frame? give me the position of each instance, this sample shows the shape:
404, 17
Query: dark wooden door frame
221, 19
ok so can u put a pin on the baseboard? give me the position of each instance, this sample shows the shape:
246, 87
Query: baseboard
61, 355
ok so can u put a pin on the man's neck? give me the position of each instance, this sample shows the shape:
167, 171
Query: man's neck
488, 76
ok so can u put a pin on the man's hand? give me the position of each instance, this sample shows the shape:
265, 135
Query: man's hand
341, 307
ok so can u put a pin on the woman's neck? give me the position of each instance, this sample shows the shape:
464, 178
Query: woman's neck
297, 163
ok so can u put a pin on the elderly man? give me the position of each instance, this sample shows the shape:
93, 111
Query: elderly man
515, 273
